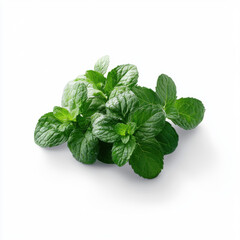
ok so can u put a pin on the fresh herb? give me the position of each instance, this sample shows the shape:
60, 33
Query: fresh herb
111, 119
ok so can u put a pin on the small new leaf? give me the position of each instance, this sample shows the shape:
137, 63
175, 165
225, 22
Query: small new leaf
96, 78
62, 114
125, 139
121, 129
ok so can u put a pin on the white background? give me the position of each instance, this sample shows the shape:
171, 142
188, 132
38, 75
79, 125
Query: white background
46, 194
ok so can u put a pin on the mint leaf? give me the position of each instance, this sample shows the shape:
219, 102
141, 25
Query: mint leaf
105, 152
83, 123
118, 90
149, 120
121, 129
122, 152
168, 138
50, 131
83, 146
131, 127
190, 113
92, 105
62, 114
96, 78
147, 159
75, 94
68, 91
121, 105
125, 139
123, 75
166, 90
104, 129
79, 95
102, 64
171, 111
146, 95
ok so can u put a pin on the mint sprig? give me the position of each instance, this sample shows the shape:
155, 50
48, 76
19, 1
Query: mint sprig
106, 116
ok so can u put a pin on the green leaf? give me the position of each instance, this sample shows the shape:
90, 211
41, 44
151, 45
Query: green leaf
190, 113
105, 152
118, 90
121, 129
121, 105
83, 123
62, 114
92, 105
68, 91
122, 152
123, 75
95, 78
168, 138
166, 90
102, 64
150, 121
131, 127
171, 111
146, 95
79, 96
104, 128
50, 131
147, 159
83, 146
125, 139
74, 95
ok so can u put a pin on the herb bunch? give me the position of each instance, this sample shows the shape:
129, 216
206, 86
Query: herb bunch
114, 120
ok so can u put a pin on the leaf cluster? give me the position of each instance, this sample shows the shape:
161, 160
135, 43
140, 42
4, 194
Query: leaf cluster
110, 118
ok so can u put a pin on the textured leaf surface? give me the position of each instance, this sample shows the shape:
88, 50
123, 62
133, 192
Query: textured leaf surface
92, 105
125, 139
121, 105
74, 95
122, 152
69, 90
150, 121
166, 90
102, 64
62, 114
83, 146
83, 122
49, 131
147, 159
190, 113
122, 75
105, 152
168, 138
79, 95
146, 95
121, 129
104, 128
118, 90
96, 78
131, 127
